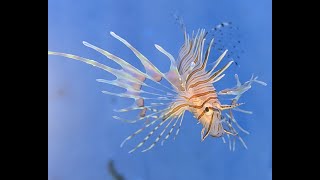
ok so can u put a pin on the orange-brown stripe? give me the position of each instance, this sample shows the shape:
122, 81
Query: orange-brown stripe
202, 94
192, 57
199, 69
199, 107
205, 81
199, 95
182, 105
173, 111
183, 58
200, 116
209, 126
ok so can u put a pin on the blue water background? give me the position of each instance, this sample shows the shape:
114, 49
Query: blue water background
83, 136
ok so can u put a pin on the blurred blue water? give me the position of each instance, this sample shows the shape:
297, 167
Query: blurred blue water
82, 134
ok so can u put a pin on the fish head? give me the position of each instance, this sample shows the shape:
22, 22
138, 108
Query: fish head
210, 117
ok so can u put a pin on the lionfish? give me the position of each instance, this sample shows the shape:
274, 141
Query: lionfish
191, 90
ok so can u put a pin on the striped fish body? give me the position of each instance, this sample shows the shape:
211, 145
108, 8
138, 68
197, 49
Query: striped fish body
191, 89
200, 95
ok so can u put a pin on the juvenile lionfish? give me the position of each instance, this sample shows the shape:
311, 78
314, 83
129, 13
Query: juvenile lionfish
191, 90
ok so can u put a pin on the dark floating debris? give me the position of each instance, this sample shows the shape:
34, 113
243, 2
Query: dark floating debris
113, 172
227, 36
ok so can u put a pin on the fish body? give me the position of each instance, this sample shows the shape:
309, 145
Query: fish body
191, 89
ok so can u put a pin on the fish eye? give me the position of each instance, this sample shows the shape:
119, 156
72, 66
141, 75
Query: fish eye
208, 111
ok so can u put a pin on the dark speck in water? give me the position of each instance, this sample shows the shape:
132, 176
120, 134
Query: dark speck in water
61, 92
113, 171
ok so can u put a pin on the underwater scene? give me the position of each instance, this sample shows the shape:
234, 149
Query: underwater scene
159, 90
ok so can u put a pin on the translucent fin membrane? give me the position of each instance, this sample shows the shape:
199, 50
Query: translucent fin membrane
151, 115
209, 77
200, 71
190, 55
124, 65
173, 75
120, 74
159, 137
177, 132
132, 79
240, 89
149, 135
153, 72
